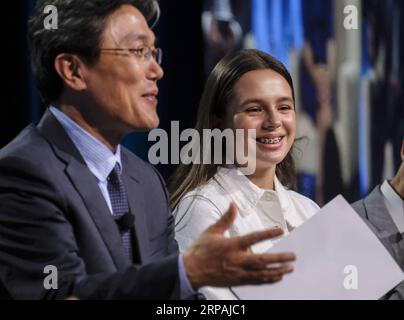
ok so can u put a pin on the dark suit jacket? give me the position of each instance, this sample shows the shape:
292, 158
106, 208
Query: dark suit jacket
52, 212
373, 210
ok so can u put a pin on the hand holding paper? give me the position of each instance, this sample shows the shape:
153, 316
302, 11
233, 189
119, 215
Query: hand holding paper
338, 257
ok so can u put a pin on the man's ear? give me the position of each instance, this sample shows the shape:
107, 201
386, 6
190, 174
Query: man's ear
70, 68
402, 150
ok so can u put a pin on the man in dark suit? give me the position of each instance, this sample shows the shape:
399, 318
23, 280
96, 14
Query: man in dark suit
384, 209
75, 202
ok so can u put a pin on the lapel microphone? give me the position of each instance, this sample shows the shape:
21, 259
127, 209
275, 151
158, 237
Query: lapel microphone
125, 222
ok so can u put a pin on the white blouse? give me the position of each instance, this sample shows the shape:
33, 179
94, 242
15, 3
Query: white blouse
258, 209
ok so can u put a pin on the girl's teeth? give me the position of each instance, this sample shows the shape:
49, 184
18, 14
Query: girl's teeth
270, 140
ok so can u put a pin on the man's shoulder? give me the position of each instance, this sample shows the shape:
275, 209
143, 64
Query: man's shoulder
135, 161
28, 147
29, 162
360, 205
139, 168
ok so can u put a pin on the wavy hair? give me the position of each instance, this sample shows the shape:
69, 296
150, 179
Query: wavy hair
213, 105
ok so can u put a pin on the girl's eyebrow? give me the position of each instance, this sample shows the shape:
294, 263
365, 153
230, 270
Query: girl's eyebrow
257, 100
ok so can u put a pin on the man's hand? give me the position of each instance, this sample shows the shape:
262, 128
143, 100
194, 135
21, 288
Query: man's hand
214, 260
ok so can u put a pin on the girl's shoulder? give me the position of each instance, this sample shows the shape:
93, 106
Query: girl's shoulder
211, 194
302, 201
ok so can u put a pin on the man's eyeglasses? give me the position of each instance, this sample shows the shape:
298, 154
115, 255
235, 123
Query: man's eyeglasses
144, 53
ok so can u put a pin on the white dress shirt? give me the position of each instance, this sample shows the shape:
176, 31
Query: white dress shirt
394, 204
258, 209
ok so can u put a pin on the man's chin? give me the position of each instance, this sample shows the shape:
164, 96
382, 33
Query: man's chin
146, 126
153, 124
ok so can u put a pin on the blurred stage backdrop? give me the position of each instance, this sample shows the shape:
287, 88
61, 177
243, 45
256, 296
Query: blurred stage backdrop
349, 82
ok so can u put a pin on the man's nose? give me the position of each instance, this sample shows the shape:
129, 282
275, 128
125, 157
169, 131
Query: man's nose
155, 71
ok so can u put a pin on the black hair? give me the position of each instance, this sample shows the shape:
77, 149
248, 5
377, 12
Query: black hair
80, 27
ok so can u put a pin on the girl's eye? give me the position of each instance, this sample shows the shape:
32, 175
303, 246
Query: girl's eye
285, 108
253, 110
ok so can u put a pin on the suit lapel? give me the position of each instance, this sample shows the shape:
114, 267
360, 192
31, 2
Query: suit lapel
86, 185
377, 213
136, 199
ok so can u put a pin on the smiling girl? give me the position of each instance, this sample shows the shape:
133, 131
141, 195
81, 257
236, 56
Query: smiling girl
246, 90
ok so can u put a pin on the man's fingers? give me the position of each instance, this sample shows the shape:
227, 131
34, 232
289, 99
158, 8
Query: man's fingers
267, 260
226, 221
283, 257
270, 275
248, 240
282, 270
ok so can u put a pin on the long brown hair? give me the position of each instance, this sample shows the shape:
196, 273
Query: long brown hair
215, 99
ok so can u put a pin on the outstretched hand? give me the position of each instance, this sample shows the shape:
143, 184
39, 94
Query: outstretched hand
214, 260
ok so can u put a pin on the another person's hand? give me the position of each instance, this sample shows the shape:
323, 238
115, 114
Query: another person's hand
214, 260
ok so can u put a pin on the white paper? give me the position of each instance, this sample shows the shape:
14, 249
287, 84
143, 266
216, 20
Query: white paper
338, 257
